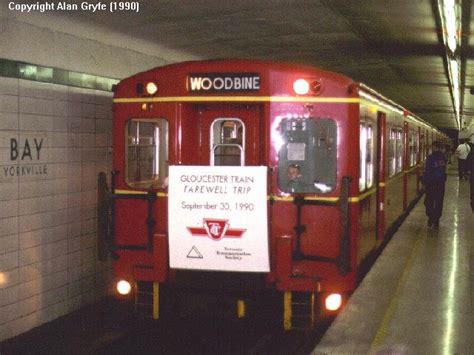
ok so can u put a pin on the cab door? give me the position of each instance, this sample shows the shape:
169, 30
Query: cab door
230, 135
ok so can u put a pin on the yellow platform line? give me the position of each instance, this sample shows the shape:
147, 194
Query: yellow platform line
392, 307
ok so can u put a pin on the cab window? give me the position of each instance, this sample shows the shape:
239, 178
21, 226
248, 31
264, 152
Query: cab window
307, 157
146, 152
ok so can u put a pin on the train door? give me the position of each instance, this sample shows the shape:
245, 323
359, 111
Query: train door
230, 135
229, 211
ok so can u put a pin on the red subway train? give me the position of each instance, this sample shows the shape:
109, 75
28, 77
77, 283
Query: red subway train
237, 178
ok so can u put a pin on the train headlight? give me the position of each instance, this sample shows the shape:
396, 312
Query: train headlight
151, 88
333, 302
124, 287
301, 87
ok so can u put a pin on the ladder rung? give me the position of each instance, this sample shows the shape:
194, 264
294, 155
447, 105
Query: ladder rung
143, 304
144, 293
301, 303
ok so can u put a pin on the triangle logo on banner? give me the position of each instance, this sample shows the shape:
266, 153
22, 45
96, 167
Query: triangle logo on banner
194, 253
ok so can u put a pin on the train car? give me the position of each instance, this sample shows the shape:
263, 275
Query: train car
236, 178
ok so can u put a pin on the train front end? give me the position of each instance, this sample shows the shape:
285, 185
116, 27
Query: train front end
232, 178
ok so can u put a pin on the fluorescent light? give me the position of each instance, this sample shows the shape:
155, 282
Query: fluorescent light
450, 15
454, 76
453, 64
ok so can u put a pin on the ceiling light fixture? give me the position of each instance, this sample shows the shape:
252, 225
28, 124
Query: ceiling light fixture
451, 24
450, 15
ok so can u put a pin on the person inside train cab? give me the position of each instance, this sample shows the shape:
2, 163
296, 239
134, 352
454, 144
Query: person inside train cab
295, 180
434, 179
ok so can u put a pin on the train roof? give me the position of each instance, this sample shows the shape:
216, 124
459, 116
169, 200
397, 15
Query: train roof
265, 68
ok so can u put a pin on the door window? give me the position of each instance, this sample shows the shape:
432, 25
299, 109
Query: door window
228, 142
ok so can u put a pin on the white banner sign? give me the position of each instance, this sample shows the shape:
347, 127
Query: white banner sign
217, 218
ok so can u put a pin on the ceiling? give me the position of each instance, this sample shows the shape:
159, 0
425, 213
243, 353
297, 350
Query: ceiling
393, 46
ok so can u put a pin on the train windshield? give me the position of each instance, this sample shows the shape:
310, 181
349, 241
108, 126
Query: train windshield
146, 152
307, 157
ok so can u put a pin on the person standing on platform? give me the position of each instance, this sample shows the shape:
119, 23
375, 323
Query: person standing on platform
462, 151
448, 150
470, 162
469, 158
434, 179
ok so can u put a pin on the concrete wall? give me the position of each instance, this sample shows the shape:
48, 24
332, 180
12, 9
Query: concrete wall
54, 139
56, 41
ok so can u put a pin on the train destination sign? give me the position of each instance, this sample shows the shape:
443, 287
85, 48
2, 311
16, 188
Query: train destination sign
223, 82
217, 218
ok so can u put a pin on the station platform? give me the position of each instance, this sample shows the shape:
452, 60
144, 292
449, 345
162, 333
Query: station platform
418, 296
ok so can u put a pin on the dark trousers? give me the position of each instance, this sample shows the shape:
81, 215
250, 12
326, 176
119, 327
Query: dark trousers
463, 168
472, 190
434, 201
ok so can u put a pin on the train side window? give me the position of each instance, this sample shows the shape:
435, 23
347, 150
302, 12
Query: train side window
399, 151
228, 142
366, 177
391, 153
395, 152
146, 152
413, 147
307, 156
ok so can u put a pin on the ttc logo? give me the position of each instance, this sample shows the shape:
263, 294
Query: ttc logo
216, 229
